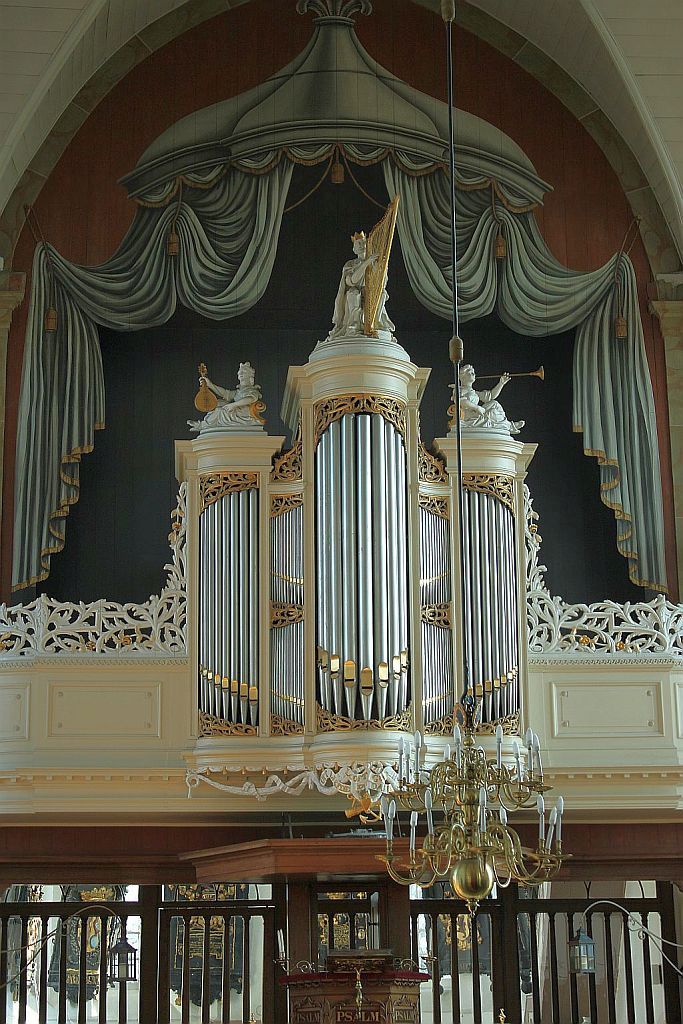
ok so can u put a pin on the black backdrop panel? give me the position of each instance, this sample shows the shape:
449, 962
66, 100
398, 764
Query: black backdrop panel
117, 534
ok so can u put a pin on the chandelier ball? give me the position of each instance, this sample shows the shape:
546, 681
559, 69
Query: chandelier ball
472, 879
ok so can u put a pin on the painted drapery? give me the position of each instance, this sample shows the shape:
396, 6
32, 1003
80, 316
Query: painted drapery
535, 295
227, 224
227, 239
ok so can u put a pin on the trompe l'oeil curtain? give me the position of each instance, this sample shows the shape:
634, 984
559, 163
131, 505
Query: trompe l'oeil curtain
227, 240
227, 232
535, 295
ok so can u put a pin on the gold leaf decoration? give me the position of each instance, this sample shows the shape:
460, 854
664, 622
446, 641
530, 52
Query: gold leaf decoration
327, 722
281, 503
280, 726
436, 615
332, 409
289, 465
284, 614
498, 485
215, 485
438, 506
444, 726
210, 725
430, 469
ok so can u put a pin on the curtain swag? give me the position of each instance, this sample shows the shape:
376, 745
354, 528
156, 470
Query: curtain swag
225, 224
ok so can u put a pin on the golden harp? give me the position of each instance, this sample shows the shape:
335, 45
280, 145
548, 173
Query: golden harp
378, 244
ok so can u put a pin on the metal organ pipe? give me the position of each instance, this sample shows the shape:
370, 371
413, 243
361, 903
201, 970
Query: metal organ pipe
361, 571
229, 601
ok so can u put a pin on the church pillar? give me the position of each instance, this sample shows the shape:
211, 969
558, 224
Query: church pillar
12, 287
670, 315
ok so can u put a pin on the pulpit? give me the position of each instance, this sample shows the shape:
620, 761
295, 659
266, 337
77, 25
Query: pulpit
359, 986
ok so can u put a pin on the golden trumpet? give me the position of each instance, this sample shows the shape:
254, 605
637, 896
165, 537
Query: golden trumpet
540, 373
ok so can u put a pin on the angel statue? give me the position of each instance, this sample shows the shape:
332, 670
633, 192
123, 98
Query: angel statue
481, 408
237, 410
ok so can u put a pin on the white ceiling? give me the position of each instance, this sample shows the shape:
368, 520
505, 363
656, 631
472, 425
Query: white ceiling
626, 54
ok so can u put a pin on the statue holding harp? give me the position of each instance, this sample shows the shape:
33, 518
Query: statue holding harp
360, 306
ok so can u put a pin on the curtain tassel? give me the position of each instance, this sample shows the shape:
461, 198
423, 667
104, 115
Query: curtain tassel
173, 243
337, 172
50, 322
500, 246
620, 327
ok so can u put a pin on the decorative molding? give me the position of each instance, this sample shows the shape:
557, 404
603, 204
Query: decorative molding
331, 409
289, 465
280, 726
282, 503
214, 486
556, 627
48, 627
437, 505
444, 726
430, 469
334, 8
327, 722
498, 485
284, 614
354, 780
436, 615
210, 725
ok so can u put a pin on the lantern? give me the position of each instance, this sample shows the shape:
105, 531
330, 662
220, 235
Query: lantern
582, 954
123, 961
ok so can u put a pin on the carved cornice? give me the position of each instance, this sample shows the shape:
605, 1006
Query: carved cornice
331, 409
214, 486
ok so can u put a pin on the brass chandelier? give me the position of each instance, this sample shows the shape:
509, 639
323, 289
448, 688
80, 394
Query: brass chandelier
472, 846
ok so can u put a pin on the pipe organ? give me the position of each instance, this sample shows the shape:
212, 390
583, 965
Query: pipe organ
491, 608
325, 580
229, 600
362, 567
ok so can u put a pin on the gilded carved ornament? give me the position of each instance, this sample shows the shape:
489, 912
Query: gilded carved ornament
498, 485
331, 409
210, 725
288, 466
435, 504
215, 486
328, 722
282, 503
430, 469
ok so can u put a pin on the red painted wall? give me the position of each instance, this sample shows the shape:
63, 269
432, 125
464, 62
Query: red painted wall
85, 213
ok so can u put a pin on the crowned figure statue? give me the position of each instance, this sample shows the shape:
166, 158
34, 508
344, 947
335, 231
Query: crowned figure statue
350, 307
480, 409
238, 410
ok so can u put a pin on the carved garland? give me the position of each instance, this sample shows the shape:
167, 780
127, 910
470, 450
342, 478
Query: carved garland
210, 725
281, 503
496, 484
436, 615
284, 614
327, 722
289, 465
280, 726
436, 505
430, 469
216, 485
444, 726
332, 409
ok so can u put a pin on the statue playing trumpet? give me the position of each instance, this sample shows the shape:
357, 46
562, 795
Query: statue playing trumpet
481, 410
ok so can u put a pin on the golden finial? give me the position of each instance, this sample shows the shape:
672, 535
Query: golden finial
501, 1017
